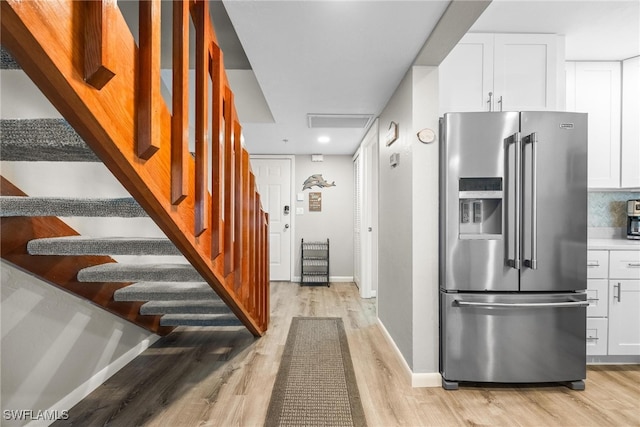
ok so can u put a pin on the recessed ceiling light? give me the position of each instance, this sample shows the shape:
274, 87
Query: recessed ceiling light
324, 139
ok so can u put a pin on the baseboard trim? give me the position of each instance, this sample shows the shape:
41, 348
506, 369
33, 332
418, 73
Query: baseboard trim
98, 379
427, 379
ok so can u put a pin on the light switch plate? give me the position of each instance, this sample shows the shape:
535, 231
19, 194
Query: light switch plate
300, 197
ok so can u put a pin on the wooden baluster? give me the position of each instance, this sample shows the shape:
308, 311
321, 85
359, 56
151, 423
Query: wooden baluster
263, 267
237, 213
229, 180
149, 96
246, 228
217, 117
201, 19
252, 244
98, 43
261, 253
180, 102
266, 284
258, 258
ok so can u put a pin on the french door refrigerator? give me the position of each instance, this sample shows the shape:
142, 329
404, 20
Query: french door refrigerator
513, 245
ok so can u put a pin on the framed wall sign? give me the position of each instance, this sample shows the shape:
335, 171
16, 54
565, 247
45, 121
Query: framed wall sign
315, 202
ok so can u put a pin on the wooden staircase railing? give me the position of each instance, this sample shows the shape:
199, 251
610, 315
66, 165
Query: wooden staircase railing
84, 59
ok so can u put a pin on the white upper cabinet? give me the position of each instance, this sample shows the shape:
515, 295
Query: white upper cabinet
466, 75
594, 88
502, 72
630, 161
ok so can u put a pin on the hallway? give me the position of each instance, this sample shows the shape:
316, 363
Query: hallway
204, 376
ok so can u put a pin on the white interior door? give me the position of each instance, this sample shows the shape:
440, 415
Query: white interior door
273, 178
357, 220
365, 165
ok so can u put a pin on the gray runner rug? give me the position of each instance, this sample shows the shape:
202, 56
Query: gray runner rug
316, 385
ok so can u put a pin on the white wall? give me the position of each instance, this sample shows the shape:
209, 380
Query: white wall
335, 221
395, 280
408, 226
425, 223
56, 348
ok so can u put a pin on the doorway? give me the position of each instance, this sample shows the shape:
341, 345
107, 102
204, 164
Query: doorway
274, 179
365, 167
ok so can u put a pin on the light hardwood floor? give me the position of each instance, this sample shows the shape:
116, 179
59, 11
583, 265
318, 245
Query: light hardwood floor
209, 377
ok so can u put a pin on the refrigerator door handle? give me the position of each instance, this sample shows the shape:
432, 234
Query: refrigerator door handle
520, 305
516, 140
533, 262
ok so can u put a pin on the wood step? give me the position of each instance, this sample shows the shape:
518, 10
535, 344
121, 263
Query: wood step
120, 272
83, 245
70, 207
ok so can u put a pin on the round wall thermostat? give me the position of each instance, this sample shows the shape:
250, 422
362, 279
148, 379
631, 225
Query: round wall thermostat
427, 136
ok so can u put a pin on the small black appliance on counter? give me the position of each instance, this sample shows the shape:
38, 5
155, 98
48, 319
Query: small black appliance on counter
633, 219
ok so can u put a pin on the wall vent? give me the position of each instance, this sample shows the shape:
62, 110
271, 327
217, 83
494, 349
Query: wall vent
354, 121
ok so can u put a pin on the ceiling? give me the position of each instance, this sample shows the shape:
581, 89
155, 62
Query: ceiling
348, 57
326, 57
288, 59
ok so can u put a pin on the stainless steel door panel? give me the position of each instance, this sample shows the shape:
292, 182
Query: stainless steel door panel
554, 247
513, 338
474, 147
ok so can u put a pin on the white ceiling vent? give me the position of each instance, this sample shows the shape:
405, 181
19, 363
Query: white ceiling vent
355, 121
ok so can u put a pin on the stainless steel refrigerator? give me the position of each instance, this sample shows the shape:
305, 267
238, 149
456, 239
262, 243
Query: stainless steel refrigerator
513, 246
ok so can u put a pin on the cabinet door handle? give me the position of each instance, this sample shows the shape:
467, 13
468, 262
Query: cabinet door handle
490, 102
634, 264
592, 264
500, 102
619, 293
592, 338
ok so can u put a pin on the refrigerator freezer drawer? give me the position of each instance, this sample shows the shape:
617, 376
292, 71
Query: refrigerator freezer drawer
513, 338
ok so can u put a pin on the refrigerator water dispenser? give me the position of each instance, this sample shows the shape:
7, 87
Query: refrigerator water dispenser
480, 208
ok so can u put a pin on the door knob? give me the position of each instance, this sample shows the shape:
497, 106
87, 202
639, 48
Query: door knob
286, 226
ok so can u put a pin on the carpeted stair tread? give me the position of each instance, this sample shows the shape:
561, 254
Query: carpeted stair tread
120, 272
7, 61
199, 320
84, 245
51, 140
125, 207
184, 307
166, 291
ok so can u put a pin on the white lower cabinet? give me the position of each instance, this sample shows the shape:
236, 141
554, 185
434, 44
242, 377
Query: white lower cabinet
597, 312
613, 293
624, 317
596, 336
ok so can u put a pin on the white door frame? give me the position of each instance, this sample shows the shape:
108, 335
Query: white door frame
292, 193
368, 221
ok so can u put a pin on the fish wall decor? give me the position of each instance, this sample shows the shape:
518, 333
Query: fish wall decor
317, 180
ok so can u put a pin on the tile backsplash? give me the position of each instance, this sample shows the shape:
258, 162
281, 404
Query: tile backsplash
609, 209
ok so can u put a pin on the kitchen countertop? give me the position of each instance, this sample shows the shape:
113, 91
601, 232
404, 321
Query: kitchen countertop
613, 244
